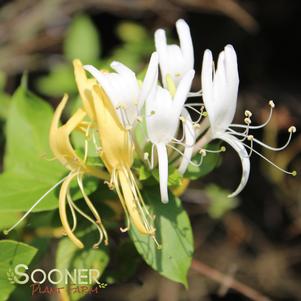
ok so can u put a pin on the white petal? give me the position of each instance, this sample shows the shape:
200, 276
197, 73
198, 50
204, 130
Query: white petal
150, 80
244, 157
232, 82
207, 84
104, 82
190, 136
182, 91
231, 65
123, 70
163, 171
128, 87
185, 42
161, 122
161, 48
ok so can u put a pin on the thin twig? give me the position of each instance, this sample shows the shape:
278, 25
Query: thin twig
226, 280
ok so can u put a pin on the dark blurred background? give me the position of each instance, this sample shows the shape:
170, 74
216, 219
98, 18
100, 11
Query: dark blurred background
258, 241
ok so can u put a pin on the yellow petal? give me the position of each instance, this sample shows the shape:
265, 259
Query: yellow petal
115, 139
59, 140
84, 86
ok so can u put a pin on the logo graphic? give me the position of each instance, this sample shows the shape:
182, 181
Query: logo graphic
55, 280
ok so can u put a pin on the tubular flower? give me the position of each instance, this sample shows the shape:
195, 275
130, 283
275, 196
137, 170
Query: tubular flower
117, 155
220, 89
124, 91
172, 74
163, 112
175, 61
63, 151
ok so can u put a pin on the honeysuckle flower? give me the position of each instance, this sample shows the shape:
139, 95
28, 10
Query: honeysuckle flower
175, 61
219, 90
163, 112
123, 89
117, 155
59, 140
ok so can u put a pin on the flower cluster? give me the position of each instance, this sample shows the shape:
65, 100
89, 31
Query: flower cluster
116, 107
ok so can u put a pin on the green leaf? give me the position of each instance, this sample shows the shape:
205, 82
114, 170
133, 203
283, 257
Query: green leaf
174, 177
210, 161
125, 262
70, 257
220, 202
12, 253
174, 234
60, 80
28, 171
7, 219
4, 105
82, 41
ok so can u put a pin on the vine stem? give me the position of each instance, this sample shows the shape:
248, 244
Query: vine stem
227, 281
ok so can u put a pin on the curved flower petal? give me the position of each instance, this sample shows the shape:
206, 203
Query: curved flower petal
244, 157
59, 140
161, 47
207, 84
150, 80
84, 87
104, 83
163, 171
185, 42
232, 81
182, 92
190, 136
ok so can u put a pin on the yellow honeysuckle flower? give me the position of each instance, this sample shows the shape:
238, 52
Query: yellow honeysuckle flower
117, 155
59, 139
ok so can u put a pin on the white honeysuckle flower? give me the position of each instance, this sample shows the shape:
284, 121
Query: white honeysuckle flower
123, 89
163, 112
175, 61
219, 90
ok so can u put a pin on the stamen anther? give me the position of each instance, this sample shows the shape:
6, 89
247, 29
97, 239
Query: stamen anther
292, 129
248, 113
272, 104
247, 120
203, 152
